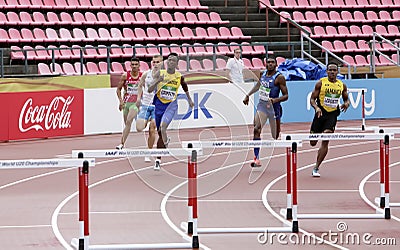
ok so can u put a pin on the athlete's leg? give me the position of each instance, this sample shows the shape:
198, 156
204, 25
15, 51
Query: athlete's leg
259, 121
323, 150
152, 134
128, 124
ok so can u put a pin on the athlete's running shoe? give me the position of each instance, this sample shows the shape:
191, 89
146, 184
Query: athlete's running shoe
315, 172
120, 146
157, 165
256, 163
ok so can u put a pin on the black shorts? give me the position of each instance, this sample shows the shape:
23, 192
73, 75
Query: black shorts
328, 120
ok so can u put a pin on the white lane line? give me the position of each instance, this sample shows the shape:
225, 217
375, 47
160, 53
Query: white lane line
24, 226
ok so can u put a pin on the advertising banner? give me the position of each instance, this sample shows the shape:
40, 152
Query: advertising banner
45, 114
4, 104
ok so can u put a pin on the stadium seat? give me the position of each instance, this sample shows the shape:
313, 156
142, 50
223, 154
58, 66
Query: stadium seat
56, 68
154, 18
143, 66
215, 17
25, 18
221, 64
349, 60
91, 18
237, 32
141, 18
43, 69
152, 34
92, 68
115, 18
339, 46
116, 67
351, 3
367, 30
129, 18
257, 63
279, 60
175, 48
91, 35
167, 18
351, 46
361, 61
334, 16
65, 53
79, 35
247, 63
116, 35
42, 53
213, 34
195, 65
363, 45
164, 34
39, 19
14, 36
30, 52
128, 34
27, 36
188, 33
80, 69
103, 67
346, 16
355, 31
140, 34
176, 32
208, 64
69, 69
372, 16
344, 31
116, 51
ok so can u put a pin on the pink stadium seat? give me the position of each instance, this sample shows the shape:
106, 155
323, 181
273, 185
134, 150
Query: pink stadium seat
92, 68
367, 30
195, 65
331, 31
191, 18
355, 31
346, 16
204, 18
152, 49
221, 63
79, 35
349, 60
225, 33
304, 4
361, 61
66, 19
372, 16
176, 32
90, 52
129, 18
344, 31
182, 65
86, 4
385, 16
297, 16
310, 17
187, 49
363, 45
201, 33
65, 53
381, 30
257, 63
152, 34
384, 61
140, 34
237, 32
144, 4
38, 4
395, 58
200, 50
339, 4
187, 32
319, 31
233, 46
154, 18
128, 34
80, 69
27, 36
116, 51
210, 47
180, 18
215, 17
42, 53
322, 16
284, 15
394, 30
167, 18
193, 4
72, 4
279, 60
351, 46
247, 49
363, 3
30, 52
39, 19
327, 3
54, 52
213, 33
116, 35
335, 17
223, 48
43, 69
102, 51
375, 61
208, 64
14, 35
389, 3
110, 4
91, 35
61, 4
327, 45
164, 49
103, 67
140, 18
115, 18
359, 16
78, 17
90, 18
69, 69
105, 35
25, 18
117, 67
315, 3
16, 54
49, 3
98, 4
56, 69
102, 18
159, 4
143, 66
259, 49
53, 18
164, 34
351, 3
247, 63
13, 18
339, 46
175, 48
122, 4
129, 51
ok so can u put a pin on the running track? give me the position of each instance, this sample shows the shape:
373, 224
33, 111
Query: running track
129, 202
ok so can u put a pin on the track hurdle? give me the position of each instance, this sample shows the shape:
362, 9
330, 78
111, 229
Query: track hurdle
349, 136
60, 163
245, 144
396, 131
82, 243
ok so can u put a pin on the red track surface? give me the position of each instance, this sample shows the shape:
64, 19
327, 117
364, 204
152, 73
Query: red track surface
126, 194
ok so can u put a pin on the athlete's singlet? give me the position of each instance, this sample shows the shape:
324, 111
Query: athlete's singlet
131, 84
147, 98
268, 89
167, 90
330, 94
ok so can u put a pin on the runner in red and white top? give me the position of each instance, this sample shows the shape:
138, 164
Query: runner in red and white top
129, 81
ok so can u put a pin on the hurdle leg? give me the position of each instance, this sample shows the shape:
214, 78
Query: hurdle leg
363, 109
295, 223
85, 171
195, 236
387, 179
382, 173
81, 241
288, 185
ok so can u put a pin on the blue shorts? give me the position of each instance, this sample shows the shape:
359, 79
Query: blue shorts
147, 113
262, 106
165, 112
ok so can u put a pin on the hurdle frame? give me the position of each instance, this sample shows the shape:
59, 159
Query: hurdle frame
384, 166
82, 243
247, 144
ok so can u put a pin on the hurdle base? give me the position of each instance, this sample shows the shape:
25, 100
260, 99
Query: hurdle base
190, 227
225, 230
341, 216
387, 213
195, 242
382, 202
295, 226
391, 204
289, 214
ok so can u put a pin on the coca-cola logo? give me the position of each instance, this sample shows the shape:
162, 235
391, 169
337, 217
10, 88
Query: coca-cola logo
46, 117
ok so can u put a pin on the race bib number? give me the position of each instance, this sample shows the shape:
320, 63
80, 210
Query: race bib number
132, 89
264, 93
168, 93
331, 100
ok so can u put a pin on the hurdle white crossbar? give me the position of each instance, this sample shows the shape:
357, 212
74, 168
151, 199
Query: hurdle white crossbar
225, 230
114, 153
243, 144
391, 204
377, 215
74, 244
338, 136
394, 130
44, 163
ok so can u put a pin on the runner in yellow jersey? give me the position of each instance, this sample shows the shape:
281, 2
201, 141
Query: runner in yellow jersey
166, 83
325, 100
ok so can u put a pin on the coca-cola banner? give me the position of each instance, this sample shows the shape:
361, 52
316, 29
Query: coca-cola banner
4, 116
45, 114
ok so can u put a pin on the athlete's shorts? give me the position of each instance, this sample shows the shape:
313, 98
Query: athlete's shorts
262, 107
165, 112
328, 120
128, 106
147, 113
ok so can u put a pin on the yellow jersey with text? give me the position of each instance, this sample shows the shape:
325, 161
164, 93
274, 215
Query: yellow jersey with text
167, 90
330, 94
